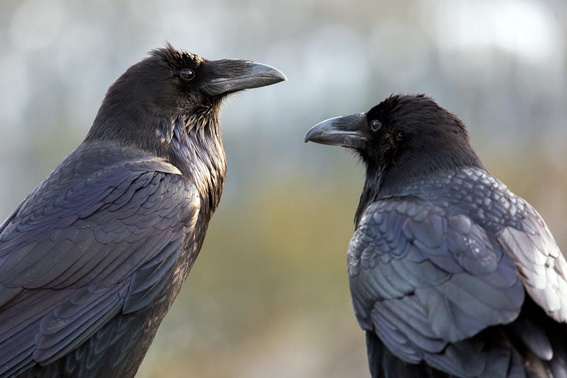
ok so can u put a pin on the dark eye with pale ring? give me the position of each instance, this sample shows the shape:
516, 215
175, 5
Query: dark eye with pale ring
375, 125
187, 74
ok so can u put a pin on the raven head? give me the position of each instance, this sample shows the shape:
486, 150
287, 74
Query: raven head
173, 82
399, 140
188, 79
403, 129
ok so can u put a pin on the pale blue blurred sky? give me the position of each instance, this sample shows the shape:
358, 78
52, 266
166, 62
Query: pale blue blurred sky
499, 64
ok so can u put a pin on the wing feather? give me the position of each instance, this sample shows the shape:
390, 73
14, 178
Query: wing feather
426, 281
542, 266
84, 247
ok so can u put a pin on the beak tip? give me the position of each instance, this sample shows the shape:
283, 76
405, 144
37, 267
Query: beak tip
276, 75
309, 135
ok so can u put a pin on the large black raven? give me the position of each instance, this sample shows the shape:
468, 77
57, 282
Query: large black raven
451, 274
92, 259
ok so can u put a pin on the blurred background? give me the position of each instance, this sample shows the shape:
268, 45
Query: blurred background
268, 296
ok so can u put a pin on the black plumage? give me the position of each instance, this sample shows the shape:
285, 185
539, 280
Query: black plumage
92, 259
451, 274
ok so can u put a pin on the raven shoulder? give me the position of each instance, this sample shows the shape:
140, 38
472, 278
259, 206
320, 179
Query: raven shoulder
100, 236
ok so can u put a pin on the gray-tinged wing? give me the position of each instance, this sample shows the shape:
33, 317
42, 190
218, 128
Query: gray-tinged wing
92, 241
424, 280
542, 266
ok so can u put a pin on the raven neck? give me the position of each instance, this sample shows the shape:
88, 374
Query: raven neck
192, 143
385, 180
407, 168
196, 149
371, 189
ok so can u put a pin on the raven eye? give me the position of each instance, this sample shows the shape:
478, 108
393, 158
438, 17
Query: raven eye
187, 74
375, 125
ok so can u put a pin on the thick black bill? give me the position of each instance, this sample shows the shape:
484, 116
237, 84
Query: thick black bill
347, 131
235, 75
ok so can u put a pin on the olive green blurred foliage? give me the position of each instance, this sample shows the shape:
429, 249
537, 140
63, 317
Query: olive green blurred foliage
272, 267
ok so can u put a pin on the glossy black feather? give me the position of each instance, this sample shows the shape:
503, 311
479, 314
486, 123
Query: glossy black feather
451, 274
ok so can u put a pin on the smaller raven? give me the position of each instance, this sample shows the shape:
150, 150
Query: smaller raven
451, 274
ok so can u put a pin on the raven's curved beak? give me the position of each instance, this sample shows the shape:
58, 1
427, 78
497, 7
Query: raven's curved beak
229, 75
347, 131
